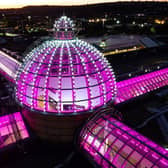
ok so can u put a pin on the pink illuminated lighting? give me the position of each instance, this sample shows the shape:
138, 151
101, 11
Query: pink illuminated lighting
140, 85
12, 129
64, 28
8, 66
65, 75
110, 143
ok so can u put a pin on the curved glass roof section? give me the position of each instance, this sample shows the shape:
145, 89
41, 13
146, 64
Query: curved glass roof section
110, 143
65, 76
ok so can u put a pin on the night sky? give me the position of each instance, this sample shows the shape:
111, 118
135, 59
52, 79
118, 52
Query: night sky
21, 3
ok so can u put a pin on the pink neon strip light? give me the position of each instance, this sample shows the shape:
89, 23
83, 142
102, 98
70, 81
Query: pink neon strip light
7, 76
72, 74
12, 129
110, 143
140, 85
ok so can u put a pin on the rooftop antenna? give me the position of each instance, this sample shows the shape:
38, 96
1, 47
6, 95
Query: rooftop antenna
63, 13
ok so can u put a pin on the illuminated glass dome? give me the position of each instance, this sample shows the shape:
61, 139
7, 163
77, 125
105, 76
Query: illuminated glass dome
65, 76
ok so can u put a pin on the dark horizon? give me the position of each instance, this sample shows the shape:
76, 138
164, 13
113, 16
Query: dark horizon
120, 8
88, 5
12, 5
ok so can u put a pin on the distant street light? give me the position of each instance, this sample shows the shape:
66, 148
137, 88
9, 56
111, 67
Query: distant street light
118, 22
29, 18
133, 22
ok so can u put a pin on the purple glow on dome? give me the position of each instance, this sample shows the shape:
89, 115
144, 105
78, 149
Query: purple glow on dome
65, 76
110, 143
140, 85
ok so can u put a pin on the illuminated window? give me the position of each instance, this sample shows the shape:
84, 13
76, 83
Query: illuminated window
12, 129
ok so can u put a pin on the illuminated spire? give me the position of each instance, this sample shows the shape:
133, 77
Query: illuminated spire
64, 28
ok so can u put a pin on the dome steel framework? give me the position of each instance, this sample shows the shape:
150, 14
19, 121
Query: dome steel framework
65, 75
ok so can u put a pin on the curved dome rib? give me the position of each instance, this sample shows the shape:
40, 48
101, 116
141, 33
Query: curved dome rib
72, 79
86, 77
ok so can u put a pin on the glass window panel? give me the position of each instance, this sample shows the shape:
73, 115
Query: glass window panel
81, 105
80, 82
91, 69
56, 58
24, 134
104, 76
82, 71
65, 57
96, 130
126, 151
145, 164
29, 94
66, 83
96, 102
103, 123
118, 161
54, 71
43, 70
20, 125
128, 165
90, 138
17, 116
99, 120
110, 139
82, 94
111, 126
41, 82
134, 158
65, 71
40, 54
94, 56
103, 149
109, 96
8, 129
33, 68
102, 135
76, 70
96, 143
53, 83
117, 145
48, 57
4, 131
110, 154
99, 65
95, 91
